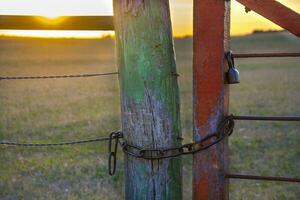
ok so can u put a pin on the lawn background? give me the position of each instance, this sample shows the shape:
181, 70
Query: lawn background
73, 109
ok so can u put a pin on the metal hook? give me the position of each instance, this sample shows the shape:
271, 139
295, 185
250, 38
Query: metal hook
112, 152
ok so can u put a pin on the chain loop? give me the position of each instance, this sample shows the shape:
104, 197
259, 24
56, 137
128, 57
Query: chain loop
225, 129
112, 152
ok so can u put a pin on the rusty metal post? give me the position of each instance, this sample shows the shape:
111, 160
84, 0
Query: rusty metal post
211, 40
277, 13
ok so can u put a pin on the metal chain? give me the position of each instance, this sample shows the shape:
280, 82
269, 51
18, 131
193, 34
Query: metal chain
112, 151
225, 129
56, 76
112, 157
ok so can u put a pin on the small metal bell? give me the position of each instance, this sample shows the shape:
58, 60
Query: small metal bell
233, 74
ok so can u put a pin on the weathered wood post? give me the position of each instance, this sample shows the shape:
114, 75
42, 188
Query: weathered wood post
211, 39
149, 96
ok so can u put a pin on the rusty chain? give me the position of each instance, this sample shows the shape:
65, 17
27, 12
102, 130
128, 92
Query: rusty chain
225, 129
112, 151
112, 157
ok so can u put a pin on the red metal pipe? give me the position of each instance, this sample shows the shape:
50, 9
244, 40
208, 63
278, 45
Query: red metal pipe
275, 12
210, 101
263, 178
266, 55
265, 118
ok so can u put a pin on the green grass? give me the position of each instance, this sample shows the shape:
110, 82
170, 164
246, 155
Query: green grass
270, 86
59, 110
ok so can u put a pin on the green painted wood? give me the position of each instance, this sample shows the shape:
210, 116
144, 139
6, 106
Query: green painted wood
149, 96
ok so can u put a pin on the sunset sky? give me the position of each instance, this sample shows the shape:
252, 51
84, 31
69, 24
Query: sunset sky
181, 11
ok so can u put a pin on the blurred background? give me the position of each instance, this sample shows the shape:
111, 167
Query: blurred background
66, 109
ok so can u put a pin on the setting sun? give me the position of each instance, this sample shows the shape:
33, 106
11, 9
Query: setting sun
50, 19
51, 16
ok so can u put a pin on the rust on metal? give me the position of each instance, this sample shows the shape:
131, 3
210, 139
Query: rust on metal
22, 22
277, 13
263, 178
265, 55
210, 101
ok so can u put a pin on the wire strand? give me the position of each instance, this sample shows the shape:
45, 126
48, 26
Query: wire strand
53, 144
56, 76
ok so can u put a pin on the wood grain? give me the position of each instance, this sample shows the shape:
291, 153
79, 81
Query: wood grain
149, 96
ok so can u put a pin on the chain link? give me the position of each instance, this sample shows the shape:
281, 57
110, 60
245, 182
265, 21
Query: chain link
112, 151
112, 157
225, 129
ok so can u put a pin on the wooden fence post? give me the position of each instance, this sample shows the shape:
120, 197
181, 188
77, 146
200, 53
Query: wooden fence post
211, 40
149, 96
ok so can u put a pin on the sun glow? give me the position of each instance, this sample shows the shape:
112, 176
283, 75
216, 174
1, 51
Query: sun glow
57, 34
51, 16
50, 20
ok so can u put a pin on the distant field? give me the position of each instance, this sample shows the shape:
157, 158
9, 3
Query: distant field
59, 110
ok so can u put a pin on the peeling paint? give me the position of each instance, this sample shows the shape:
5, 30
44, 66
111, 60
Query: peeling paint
149, 96
202, 193
210, 96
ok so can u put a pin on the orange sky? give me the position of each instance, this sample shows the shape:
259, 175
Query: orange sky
181, 11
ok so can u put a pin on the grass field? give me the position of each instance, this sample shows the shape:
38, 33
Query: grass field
59, 110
